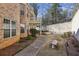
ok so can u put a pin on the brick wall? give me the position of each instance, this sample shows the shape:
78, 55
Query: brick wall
24, 18
9, 11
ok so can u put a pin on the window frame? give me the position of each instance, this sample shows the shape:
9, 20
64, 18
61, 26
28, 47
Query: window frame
10, 28
13, 27
22, 12
6, 28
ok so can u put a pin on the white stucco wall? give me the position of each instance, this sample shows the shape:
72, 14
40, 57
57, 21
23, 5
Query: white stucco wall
75, 22
75, 25
60, 28
72, 26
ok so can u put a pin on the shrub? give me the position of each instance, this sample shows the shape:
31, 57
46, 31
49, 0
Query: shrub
59, 37
57, 47
33, 32
69, 33
29, 37
66, 34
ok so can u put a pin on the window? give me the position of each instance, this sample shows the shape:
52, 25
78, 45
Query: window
13, 28
21, 12
9, 28
6, 28
22, 30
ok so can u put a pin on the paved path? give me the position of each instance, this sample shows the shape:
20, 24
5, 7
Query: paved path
47, 51
34, 48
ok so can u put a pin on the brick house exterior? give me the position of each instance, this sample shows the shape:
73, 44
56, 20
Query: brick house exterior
7, 15
14, 22
23, 20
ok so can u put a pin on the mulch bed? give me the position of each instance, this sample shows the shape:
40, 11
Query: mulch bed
15, 48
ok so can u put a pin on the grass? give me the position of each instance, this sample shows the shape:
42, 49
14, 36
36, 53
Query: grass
29, 37
66, 34
59, 37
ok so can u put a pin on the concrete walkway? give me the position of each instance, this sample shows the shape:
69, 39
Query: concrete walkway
48, 51
34, 48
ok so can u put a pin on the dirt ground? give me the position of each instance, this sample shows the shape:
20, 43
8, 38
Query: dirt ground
15, 48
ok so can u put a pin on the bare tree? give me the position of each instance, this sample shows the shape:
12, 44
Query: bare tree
35, 7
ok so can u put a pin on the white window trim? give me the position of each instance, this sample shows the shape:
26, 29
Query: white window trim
10, 27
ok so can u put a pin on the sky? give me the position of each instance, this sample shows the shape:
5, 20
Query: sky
45, 6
